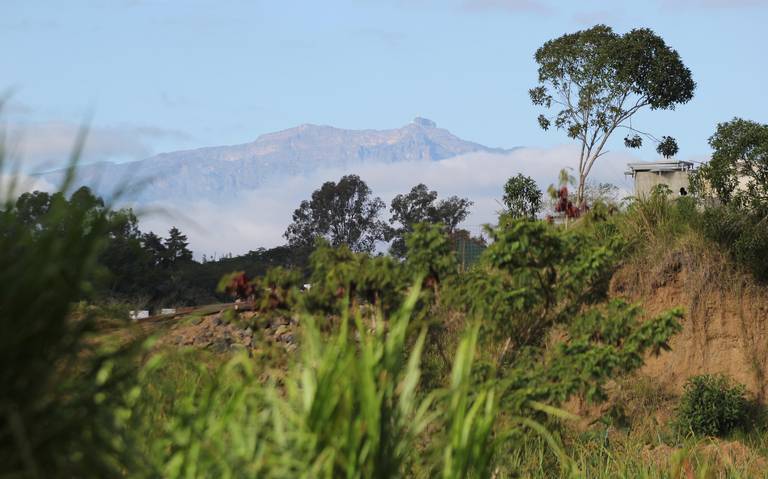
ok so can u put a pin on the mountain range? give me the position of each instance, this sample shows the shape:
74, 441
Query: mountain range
222, 171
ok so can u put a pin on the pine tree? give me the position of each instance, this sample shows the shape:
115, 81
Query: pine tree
176, 246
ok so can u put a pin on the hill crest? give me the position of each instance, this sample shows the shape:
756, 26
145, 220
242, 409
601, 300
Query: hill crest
218, 171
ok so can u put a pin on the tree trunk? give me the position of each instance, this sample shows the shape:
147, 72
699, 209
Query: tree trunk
580, 189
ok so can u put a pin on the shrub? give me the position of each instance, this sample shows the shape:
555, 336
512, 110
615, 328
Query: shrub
430, 253
743, 233
658, 219
711, 406
533, 270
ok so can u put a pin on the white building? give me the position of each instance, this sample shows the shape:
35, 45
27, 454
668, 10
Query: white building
674, 174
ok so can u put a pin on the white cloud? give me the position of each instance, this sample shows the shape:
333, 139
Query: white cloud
13, 185
259, 217
48, 145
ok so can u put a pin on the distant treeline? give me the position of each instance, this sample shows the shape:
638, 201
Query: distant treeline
138, 267
146, 269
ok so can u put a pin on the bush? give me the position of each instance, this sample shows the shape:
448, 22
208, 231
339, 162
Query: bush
658, 218
744, 233
712, 406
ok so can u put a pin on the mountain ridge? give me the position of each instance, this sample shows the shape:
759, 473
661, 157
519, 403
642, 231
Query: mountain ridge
216, 171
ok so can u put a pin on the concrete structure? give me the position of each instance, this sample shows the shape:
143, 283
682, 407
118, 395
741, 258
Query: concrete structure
674, 174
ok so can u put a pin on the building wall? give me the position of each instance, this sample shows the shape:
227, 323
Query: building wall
646, 180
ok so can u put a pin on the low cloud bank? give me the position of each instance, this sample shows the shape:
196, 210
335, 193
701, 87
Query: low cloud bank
259, 217
49, 145
12, 186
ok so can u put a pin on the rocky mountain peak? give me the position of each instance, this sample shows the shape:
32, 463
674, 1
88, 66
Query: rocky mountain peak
424, 122
222, 171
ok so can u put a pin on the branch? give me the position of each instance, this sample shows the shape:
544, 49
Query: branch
618, 120
640, 132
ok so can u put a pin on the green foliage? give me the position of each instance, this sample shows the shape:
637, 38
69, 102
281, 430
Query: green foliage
176, 247
349, 408
338, 275
743, 232
522, 197
204, 277
667, 147
603, 344
606, 342
597, 80
740, 155
64, 398
343, 213
712, 406
535, 278
334, 271
655, 222
533, 271
354, 403
634, 141
273, 296
134, 267
382, 282
657, 219
470, 416
420, 205
430, 254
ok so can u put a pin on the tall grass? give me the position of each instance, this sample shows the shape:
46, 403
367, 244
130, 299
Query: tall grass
658, 220
63, 400
350, 407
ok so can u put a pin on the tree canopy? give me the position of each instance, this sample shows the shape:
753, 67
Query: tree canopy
740, 154
344, 213
421, 205
176, 247
522, 197
595, 80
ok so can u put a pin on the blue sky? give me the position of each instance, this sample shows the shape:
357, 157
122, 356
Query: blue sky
158, 75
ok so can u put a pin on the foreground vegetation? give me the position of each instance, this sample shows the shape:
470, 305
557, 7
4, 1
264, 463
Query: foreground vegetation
405, 368
404, 365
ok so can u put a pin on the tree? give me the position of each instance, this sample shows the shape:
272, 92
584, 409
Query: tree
123, 223
343, 213
420, 205
129, 267
176, 247
522, 197
430, 254
32, 208
740, 155
84, 199
598, 79
737, 177
451, 212
606, 193
153, 244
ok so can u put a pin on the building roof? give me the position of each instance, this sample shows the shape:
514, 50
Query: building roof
658, 166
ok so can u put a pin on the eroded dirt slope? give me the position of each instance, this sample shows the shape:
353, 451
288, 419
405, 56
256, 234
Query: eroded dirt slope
725, 329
